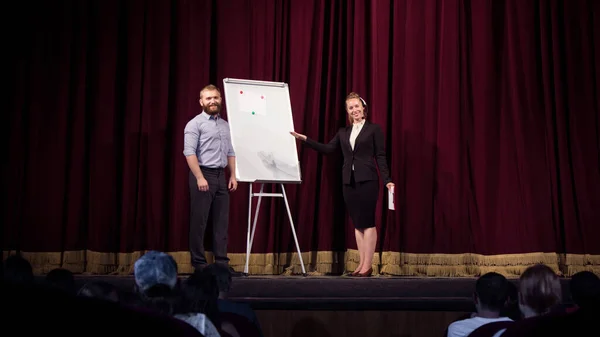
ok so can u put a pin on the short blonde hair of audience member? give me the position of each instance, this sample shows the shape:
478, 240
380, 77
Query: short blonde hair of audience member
539, 290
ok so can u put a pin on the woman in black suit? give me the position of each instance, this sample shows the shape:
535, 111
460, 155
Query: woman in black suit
363, 149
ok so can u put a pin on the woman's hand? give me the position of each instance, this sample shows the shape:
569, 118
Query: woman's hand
298, 135
390, 186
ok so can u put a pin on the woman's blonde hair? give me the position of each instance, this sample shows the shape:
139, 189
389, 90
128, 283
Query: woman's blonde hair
362, 101
539, 288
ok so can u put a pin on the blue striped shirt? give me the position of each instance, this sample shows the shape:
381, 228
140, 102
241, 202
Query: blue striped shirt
208, 137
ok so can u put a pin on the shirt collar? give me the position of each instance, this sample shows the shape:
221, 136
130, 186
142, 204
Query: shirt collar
359, 124
209, 117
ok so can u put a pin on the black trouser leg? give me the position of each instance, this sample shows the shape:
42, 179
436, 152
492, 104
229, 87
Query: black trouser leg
220, 217
200, 204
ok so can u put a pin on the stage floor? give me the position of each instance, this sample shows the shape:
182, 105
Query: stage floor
344, 293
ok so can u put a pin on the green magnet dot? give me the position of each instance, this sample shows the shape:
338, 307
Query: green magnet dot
253, 112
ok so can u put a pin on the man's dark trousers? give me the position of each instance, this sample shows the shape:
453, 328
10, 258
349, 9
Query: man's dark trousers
213, 203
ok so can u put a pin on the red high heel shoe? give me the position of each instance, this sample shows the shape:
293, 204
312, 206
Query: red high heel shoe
367, 274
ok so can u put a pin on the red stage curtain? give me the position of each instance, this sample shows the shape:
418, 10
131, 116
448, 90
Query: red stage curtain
490, 111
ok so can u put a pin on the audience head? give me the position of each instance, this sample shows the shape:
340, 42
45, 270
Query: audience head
17, 270
61, 279
195, 299
155, 276
100, 290
585, 290
491, 292
511, 310
155, 269
222, 275
539, 290
201, 288
205, 280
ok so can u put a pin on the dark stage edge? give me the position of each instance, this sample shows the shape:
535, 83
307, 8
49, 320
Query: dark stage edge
344, 293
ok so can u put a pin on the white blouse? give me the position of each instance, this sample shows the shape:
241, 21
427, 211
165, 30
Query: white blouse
355, 131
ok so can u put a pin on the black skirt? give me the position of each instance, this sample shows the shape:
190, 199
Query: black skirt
361, 201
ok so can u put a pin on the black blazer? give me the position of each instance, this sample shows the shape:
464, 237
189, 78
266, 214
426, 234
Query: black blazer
368, 151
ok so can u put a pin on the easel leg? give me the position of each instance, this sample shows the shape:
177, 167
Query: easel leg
256, 215
250, 236
287, 206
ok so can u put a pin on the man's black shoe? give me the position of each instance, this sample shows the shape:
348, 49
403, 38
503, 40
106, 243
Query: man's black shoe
235, 273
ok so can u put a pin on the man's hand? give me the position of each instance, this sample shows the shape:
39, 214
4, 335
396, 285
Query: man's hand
232, 184
202, 184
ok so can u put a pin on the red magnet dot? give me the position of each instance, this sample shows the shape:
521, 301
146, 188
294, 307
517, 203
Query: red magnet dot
262, 97
241, 92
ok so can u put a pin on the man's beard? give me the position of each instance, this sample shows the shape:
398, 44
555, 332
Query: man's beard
209, 109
